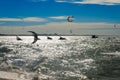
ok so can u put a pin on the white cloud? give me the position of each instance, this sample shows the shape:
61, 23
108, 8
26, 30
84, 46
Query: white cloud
27, 19
61, 1
100, 2
58, 17
37, 0
10, 19
34, 19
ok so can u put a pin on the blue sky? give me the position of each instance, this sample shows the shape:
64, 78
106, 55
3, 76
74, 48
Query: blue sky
49, 16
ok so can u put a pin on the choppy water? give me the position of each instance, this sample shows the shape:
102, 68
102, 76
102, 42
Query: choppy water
71, 59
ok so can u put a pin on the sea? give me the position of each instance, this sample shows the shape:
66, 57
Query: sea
76, 58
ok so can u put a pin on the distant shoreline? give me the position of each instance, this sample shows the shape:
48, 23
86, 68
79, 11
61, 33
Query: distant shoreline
54, 35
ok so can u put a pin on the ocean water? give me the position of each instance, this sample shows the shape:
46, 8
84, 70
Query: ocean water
75, 58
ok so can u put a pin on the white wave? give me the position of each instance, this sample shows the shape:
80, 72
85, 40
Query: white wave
113, 53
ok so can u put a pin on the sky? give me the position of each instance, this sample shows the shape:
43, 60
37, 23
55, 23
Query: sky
50, 16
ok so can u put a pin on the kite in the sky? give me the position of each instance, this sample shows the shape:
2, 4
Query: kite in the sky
69, 19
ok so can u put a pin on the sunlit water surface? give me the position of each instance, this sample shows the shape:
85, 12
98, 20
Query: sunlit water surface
70, 59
